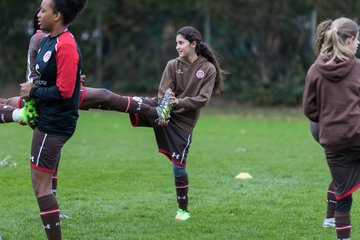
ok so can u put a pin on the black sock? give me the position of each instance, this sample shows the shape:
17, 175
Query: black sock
54, 183
182, 186
331, 201
49, 213
54, 179
129, 105
343, 224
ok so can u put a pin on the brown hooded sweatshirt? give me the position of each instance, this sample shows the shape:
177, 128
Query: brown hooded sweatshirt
192, 84
332, 98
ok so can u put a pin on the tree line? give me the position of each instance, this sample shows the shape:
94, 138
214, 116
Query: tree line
264, 46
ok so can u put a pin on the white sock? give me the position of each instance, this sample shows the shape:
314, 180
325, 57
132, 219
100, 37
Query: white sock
15, 115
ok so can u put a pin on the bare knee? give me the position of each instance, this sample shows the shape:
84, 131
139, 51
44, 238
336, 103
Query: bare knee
41, 183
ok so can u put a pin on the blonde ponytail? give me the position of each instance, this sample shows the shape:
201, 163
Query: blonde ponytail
334, 46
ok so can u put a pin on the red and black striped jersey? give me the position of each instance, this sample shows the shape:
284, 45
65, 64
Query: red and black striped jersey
57, 91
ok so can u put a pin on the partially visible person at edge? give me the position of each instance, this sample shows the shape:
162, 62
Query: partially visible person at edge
58, 63
188, 81
331, 99
13, 109
329, 220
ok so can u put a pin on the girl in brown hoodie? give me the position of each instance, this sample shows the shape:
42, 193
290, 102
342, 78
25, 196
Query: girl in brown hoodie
331, 98
189, 81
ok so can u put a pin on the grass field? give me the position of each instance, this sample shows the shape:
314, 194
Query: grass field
115, 185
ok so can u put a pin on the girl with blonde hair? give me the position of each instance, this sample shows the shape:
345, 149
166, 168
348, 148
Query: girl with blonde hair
331, 99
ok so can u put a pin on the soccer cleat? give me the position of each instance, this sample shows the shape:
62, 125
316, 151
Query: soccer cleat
31, 115
329, 222
164, 108
182, 215
64, 217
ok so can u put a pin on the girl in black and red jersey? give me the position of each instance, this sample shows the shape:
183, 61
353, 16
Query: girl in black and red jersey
95, 98
58, 63
188, 81
90, 98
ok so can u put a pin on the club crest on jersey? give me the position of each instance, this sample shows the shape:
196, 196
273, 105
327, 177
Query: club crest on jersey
47, 56
200, 74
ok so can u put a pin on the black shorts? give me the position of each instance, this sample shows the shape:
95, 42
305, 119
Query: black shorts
345, 170
172, 140
45, 151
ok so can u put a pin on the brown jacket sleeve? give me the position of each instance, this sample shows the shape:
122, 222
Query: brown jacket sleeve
310, 103
167, 79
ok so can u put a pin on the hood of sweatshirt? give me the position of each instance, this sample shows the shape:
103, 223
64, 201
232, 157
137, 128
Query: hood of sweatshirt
199, 60
334, 71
